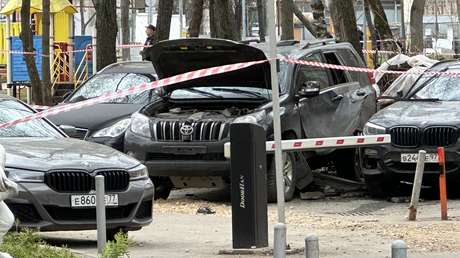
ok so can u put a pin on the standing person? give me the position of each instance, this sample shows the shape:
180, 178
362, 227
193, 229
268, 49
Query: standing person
150, 32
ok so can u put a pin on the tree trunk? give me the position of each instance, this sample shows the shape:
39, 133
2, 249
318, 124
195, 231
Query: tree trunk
27, 44
319, 19
344, 20
381, 25
262, 19
287, 21
197, 18
222, 18
46, 81
371, 29
416, 26
165, 9
239, 18
82, 17
124, 8
298, 13
107, 29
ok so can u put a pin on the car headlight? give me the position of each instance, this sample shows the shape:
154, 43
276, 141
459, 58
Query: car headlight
253, 118
373, 129
18, 176
138, 173
114, 130
140, 125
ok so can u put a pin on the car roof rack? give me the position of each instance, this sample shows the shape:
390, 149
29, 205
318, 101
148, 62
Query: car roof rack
284, 43
319, 42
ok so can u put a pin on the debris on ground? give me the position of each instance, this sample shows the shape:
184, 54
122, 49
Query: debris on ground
205, 211
400, 199
312, 195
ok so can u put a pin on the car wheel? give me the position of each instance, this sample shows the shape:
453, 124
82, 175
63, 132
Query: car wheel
163, 187
348, 164
288, 177
110, 233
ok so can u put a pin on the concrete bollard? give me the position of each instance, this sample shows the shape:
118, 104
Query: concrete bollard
417, 185
398, 249
311, 247
279, 250
100, 214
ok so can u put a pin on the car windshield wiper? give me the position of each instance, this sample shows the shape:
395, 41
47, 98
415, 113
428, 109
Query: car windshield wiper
240, 91
422, 99
204, 93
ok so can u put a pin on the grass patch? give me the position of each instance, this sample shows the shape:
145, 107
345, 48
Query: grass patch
117, 248
27, 244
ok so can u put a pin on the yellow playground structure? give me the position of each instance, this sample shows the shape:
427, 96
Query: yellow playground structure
64, 70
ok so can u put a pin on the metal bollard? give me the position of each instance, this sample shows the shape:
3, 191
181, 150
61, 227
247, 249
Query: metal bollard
398, 249
311, 246
417, 185
100, 214
279, 250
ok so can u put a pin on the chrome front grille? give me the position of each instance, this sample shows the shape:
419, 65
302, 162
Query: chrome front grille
436, 136
190, 131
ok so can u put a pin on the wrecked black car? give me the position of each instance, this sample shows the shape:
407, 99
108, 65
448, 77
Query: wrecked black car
425, 117
181, 137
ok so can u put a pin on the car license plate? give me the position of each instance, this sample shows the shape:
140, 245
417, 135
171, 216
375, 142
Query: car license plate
89, 200
413, 157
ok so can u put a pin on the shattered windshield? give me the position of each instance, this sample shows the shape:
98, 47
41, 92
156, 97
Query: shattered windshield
444, 88
11, 110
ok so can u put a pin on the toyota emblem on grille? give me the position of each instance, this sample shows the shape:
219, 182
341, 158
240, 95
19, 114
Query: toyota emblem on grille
186, 130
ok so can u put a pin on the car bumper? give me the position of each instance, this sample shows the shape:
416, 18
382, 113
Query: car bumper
38, 206
180, 159
386, 161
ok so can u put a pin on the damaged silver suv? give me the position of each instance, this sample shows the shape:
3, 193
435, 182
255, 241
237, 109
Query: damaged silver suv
180, 137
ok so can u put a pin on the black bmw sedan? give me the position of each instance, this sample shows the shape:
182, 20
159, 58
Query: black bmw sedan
106, 122
425, 117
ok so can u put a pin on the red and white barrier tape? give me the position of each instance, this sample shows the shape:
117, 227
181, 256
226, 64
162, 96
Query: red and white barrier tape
133, 90
322, 143
194, 75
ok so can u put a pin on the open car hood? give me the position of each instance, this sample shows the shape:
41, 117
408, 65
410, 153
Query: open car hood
173, 57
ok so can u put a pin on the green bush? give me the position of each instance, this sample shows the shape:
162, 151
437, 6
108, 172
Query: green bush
117, 248
27, 244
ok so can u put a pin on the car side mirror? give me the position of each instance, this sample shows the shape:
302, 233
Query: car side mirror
309, 89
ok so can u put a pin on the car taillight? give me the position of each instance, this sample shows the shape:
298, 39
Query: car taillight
371, 78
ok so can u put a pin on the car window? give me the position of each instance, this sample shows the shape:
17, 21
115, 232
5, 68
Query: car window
97, 86
11, 110
338, 76
351, 59
310, 73
130, 80
443, 88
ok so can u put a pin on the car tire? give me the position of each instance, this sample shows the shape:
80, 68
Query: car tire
348, 164
289, 177
110, 233
163, 187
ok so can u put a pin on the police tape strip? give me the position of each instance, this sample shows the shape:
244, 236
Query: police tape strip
322, 143
194, 75
133, 90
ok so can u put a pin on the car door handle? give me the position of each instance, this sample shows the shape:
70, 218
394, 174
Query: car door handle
337, 98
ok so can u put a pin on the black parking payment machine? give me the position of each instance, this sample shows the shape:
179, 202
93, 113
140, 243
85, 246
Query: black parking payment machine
249, 186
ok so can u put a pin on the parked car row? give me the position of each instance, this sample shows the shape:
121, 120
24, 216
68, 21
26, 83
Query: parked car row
174, 136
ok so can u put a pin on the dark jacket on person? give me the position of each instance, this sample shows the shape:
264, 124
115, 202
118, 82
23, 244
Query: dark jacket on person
148, 42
